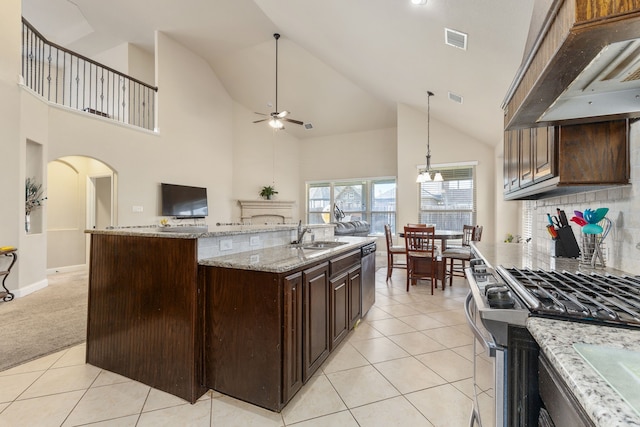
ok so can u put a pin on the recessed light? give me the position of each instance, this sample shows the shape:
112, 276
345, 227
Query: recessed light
419, 1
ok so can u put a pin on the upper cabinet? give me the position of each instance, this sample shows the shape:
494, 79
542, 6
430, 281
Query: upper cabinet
529, 158
548, 161
581, 61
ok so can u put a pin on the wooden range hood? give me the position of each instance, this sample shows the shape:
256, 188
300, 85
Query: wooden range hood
566, 38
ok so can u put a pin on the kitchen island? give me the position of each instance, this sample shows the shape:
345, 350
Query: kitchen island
167, 309
594, 399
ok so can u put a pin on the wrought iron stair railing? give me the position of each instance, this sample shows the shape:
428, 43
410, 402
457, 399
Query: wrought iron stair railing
67, 78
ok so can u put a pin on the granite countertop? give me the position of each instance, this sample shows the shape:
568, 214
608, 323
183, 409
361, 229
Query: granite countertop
197, 231
525, 255
280, 259
604, 405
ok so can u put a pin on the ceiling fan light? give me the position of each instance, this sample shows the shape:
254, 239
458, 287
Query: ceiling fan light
419, 2
276, 124
438, 177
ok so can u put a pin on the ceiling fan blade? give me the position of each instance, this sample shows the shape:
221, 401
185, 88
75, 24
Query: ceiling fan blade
262, 114
298, 122
261, 120
282, 114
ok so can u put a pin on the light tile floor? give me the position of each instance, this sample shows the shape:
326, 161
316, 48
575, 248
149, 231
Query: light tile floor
408, 363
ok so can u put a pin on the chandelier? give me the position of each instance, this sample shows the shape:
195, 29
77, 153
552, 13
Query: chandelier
425, 175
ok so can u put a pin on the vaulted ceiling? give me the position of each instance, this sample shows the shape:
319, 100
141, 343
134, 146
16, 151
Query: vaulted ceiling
344, 65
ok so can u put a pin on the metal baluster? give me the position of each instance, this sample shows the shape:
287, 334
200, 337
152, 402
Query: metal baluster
49, 76
57, 72
102, 91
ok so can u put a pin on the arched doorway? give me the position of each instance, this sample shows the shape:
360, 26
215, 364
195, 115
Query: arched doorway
81, 195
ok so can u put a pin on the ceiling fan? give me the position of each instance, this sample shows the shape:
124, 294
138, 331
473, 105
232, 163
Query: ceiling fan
277, 118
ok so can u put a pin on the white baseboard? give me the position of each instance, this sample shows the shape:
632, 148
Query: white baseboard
67, 269
26, 290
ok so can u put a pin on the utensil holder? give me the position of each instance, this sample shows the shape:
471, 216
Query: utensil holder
589, 243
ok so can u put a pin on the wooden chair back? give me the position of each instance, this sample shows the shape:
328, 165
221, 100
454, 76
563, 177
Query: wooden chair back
420, 239
477, 233
388, 236
467, 234
421, 256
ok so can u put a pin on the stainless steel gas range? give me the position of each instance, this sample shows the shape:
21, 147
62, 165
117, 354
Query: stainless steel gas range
497, 308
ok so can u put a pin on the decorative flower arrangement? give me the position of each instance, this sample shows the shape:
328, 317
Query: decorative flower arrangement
33, 195
267, 192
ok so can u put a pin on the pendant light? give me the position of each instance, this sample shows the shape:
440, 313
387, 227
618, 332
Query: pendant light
425, 175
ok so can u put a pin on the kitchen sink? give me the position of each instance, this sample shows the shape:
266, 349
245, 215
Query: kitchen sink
323, 245
619, 367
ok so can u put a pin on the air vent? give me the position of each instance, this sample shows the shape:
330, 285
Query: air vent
308, 126
455, 38
455, 98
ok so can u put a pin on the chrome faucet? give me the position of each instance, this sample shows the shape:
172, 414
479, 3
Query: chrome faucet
301, 232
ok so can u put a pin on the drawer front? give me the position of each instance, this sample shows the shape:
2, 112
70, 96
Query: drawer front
344, 262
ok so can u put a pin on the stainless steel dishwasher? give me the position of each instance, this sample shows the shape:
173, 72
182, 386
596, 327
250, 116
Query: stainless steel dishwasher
368, 264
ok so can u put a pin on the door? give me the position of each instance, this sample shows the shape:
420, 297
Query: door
99, 202
355, 295
315, 281
292, 339
339, 308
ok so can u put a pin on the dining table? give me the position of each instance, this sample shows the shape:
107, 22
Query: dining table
443, 236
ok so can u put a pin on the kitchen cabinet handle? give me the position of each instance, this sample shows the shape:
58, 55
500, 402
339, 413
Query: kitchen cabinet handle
490, 346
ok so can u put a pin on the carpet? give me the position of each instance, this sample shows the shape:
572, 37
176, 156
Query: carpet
46, 321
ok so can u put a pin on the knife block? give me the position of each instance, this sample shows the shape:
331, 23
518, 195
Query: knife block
566, 245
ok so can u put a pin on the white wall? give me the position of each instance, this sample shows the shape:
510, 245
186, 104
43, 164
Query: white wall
261, 157
11, 163
447, 146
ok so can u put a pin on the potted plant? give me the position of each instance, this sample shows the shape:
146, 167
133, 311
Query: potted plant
267, 192
33, 200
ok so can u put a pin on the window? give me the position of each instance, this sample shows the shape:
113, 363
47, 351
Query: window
451, 203
371, 200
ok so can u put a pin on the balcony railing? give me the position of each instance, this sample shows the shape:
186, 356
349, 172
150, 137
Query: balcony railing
67, 78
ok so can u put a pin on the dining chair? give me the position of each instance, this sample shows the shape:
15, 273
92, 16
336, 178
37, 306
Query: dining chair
393, 252
421, 255
457, 257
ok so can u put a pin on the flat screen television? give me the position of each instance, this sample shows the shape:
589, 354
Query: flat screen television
182, 201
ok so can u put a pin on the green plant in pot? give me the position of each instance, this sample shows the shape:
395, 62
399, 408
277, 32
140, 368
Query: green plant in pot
267, 192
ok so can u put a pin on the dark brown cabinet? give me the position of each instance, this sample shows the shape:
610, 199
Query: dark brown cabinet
346, 303
355, 296
267, 333
316, 318
525, 157
339, 308
594, 153
292, 339
528, 158
544, 153
145, 311
564, 159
